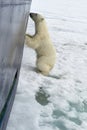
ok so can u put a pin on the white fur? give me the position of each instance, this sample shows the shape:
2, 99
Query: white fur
41, 42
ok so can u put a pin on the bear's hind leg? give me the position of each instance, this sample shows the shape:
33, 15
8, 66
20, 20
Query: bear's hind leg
43, 68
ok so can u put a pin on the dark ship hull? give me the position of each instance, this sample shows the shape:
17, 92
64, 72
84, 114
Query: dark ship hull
13, 21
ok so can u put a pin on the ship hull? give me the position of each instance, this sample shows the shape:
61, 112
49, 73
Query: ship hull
13, 22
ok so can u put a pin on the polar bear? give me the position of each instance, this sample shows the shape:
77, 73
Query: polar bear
41, 42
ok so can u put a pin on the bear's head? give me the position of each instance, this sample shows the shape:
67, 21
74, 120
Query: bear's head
36, 17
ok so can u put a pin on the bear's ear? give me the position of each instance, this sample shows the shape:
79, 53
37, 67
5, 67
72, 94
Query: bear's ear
42, 19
